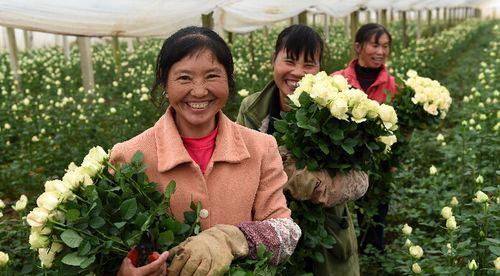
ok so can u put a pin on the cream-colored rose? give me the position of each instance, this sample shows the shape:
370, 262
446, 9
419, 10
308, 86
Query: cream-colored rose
407, 229
408, 243
37, 240
496, 262
322, 92
37, 217
481, 197
90, 167
432, 170
295, 98
451, 223
388, 141
20, 204
339, 82
75, 178
243, 92
2, 204
71, 167
359, 112
440, 137
454, 201
339, 106
60, 187
96, 154
446, 212
472, 265
305, 84
411, 73
48, 201
416, 268
416, 251
355, 96
479, 179
4, 258
372, 107
388, 116
56, 247
46, 257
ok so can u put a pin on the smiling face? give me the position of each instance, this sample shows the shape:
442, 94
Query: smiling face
372, 54
288, 72
197, 88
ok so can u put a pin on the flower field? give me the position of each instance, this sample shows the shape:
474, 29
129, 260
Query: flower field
444, 200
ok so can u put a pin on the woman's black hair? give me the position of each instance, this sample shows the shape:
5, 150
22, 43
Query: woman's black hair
185, 42
365, 33
298, 39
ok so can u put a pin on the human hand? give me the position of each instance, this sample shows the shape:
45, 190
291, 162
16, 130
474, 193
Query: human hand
156, 268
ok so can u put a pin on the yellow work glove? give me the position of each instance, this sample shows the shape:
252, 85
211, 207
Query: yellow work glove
208, 253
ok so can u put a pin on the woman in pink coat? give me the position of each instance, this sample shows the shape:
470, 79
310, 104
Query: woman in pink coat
368, 73
235, 172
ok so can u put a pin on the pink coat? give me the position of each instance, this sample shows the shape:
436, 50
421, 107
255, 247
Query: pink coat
243, 180
375, 92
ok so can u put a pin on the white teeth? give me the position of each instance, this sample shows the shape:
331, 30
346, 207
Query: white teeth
293, 83
198, 105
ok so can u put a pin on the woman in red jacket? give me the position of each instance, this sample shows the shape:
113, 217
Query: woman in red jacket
368, 73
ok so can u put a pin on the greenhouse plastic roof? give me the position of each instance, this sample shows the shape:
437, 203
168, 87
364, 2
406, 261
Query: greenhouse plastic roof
159, 18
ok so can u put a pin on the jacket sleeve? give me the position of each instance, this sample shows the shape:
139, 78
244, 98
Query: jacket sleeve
279, 236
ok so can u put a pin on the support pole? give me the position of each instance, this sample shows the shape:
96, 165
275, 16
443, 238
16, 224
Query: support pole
437, 19
419, 24
346, 25
404, 26
383, 17
326, 28
116, 54
303, 18
207, 20
130, 45
86, 62
354, 24
66, 48
14, 62
230, 37
429, 18
28, 42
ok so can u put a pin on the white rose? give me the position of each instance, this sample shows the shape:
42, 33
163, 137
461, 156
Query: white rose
294, 98
75, 178
355, 96
71, 167
90, 168
306, 83
451, 223
37, 217
4, 258
388, 116
407, 229
472, 265
496, 262
60, 187
454, 201
48, 200
440, 137
339, 106
37, 240
480, 197
411, 73
2, 204
372, 107
480, 179
96, 154
408, 243
446, 212
432, 170
243, 92
416, 251
388, 141
416, 268
46, 257
339, 82
322, 92
20, 204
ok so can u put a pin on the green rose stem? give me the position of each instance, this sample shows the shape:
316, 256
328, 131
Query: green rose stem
450, 256
135, 184
63, 227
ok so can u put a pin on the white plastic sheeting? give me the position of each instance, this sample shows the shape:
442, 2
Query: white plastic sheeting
159, 18
133, 18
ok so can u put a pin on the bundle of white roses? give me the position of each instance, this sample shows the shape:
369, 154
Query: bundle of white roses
421, 102
334, 126
90, 219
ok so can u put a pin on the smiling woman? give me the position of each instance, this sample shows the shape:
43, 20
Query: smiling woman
234, 172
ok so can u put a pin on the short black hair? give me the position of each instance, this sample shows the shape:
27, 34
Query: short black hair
367, 31
185, 42
298, 39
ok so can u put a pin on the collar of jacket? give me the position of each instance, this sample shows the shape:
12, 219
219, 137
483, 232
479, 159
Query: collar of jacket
258, 108
229, 144
350, 73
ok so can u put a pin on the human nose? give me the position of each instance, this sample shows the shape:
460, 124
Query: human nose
199, 90
298, 71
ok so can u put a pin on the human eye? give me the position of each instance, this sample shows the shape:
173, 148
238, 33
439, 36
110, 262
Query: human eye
184, 78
